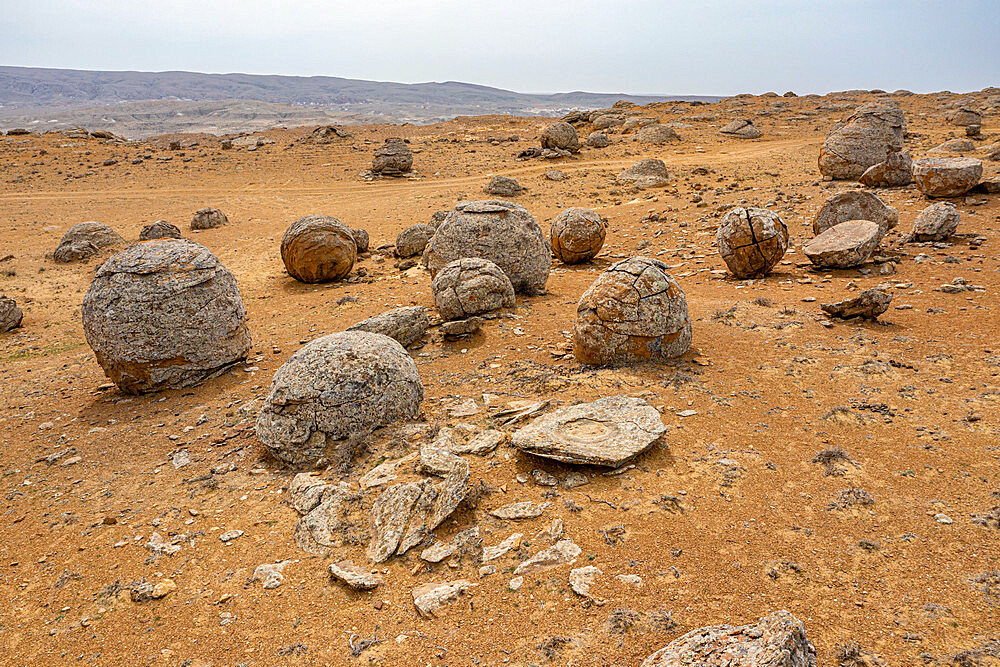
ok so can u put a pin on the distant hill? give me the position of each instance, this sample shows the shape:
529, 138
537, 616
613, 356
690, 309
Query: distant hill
144, 103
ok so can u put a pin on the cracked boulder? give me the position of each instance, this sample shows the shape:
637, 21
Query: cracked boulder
560, 136
84, 240
855, 205
500, 231
10, 314
577, 235
163, 314
893, 172
947, 176
161, 229
411, 241
608, 432
777, 640
936, 222
868, 305
634, 311
318, 249
393, 158
845, 245
405, 325
751, 241
208, 218
471, 286
742, 128
649, 173
865, 138
334, 392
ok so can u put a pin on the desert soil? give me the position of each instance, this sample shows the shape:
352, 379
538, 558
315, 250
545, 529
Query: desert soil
725, 520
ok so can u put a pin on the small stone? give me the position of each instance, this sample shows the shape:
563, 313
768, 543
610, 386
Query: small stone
494, 552
630, 579
230, 535
460, 328
431, 597
270, 574
480, 444
163, 588
742, 128
515, 583
555, 175
354, 576
521, 510
561, 553
943, 518
868, 305
582, 578
180, 459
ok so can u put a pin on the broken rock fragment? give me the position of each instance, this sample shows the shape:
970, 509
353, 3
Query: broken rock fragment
607, 432
845, 245
431, 597
947, 176
868, 305
522, 510
562, 552
354, 576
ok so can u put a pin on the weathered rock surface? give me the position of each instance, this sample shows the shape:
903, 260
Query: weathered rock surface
865, 138
405, 325
361, 239
460, 328
893, 172
430, 598
521, 510
777, 640
500, 231
638, 122
657, 135
936, 222
634, 311
868, 305
511, 542
164, 313
649, 173
854, 205
503, 186
965, 117
954, 146
845, 245
412, 240
10, 315
392, 158
318, 248
561, 136
84, 240
333, 392
742, 128
471, 286
563, 552
161, 229
751, 241
466, 539
947, 177
577, 235
355, 576
208, 218
604, 121
582, 578
598, 140
607, 432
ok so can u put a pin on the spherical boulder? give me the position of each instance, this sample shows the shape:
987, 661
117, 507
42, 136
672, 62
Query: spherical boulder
164, 313
577, 235
751, 241
361, 239
412, 240
161, 229
84, 240
947, 176
500, 231
10, 315
561, 136
854, 205
318, 248
335, 391
936, 222
503, 186
598, 140
393, 158
634, 311
208, 218
471, 286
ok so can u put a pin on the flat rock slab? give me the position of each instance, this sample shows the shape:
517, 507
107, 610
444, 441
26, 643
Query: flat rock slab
562, 552
354, 576
777, 640
431, 597
868, 305
947, 176
607, 432
524, 510
845, 245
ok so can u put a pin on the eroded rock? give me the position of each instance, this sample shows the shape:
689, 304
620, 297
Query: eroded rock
865, 138
412, 240
318, 248
208, 218
161, 229
560, 136
392, 158
893, 172
430, 598
355, 576
84, 240
845, 245
471, 286
563, 552
577, 235
947, 177
649, 173
10, 315
657, 135
751, 241
503, 186
405, 325
742, 128
868, 305
936, 222
855, 205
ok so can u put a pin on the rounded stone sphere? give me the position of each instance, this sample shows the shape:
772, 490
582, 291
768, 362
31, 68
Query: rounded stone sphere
318, 249
412, 240
209, 218
854, 205
751, 241
361, 239
561, 135
335, 391
471, 286
161, 229
577, 235
500, 231
634, 311
164, 313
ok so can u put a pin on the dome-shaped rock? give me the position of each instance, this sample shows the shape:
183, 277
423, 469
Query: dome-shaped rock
361, 239
577, 235
648, 173
863, 139
84, 240
751, 241
164, 313
854, 205
503, 186
335, 391
561, 136
471, 286
598, 140
936, 222
318, 248
161, 229
412, 240
634, 311
393, 157
208, 218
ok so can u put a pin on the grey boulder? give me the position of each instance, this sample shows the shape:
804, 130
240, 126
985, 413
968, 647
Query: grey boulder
503, 186
208, 218
742, 128
845, 245
865, 138
868, 305
648, 173
84, 240
393, 158
893, 172
471, 286
854, 205
560, 136
404, 325
411, 241
936, 222
161, 229
947, 177
10, 315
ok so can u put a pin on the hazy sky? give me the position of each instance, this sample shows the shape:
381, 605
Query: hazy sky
637, 46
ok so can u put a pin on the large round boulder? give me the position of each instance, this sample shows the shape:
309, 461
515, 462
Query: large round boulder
471, 286
84, 240
161, 229
577, 235
947, 176
500, 231
634, 311
561, 136
936, 222
208, 218
392, 158
412, 240
164, 313
335, 391
318, 248
861, 140
751, 241
10, 315
854, 205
